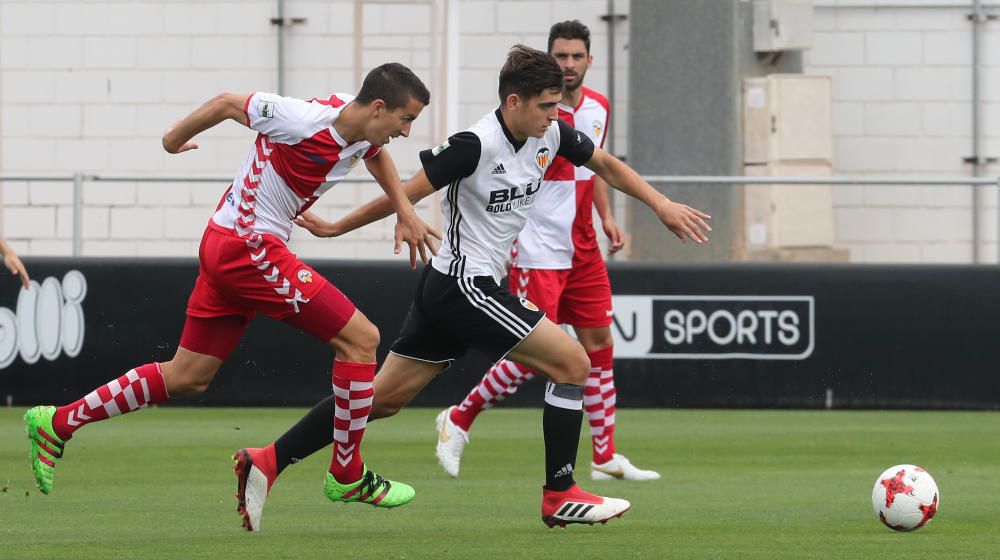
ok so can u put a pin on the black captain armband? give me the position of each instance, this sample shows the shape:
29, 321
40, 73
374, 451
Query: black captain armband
574, 145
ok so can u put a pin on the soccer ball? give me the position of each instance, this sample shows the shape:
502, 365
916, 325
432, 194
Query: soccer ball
905, 497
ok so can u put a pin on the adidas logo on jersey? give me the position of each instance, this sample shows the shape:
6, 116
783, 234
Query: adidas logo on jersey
565, 471
499, 170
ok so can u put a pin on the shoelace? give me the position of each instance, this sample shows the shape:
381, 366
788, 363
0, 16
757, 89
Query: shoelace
372, 482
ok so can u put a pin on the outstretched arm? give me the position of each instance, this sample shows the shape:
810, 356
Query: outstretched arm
409, 228
415, 189
685, 222
14, 264
177, 137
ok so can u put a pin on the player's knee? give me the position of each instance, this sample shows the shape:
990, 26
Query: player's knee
364, 343
598, 342
574, 368
579, 367
357, 343
370, 339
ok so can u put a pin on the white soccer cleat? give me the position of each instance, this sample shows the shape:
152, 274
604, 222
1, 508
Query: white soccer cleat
451, 442
621, 468
577, 506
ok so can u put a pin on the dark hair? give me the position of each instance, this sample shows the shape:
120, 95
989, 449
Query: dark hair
571, 29
528, 72
395, 84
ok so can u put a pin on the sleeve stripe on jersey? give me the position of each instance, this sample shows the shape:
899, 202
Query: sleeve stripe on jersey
246, 107
457, 267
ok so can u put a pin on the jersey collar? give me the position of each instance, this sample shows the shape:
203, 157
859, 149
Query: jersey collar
333, 130
510, 137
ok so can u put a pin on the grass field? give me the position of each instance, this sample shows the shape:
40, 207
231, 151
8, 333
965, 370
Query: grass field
737, 484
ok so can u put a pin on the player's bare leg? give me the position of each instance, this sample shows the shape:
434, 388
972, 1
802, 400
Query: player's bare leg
548, 349
398, 381
189, 372
599, 403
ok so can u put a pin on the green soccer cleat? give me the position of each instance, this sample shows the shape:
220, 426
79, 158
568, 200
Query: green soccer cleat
371, 489
45, 446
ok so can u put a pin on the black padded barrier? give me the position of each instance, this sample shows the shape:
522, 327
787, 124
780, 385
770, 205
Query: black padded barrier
687, 335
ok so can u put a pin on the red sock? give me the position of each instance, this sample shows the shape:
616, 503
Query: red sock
136, 389
599, 403
353, 394
501, 381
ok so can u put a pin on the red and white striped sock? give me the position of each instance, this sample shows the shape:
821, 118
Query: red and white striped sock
353, 393
501, 381
599, 403
136, 389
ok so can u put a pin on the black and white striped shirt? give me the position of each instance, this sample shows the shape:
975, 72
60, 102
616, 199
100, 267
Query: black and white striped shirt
492, 180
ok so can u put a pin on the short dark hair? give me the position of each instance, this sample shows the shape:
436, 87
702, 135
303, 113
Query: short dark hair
571, 29
528, 72
395, 84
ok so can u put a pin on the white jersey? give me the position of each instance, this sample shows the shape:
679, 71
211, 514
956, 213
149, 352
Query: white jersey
493, 181
562, 224
297, 157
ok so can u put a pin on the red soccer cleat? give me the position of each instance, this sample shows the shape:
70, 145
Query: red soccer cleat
256, 471
576, 506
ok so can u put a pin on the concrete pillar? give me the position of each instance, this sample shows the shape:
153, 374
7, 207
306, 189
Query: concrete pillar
688, 59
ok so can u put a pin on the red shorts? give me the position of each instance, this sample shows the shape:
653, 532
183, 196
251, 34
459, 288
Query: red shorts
238, 279
578, 296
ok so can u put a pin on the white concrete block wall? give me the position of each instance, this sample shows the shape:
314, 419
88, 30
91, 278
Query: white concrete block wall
902, 106
90, 86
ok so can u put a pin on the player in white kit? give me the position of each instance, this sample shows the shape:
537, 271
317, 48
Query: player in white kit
459, 303
557, 265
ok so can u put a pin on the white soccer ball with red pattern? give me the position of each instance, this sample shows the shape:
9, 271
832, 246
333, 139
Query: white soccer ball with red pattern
905, 497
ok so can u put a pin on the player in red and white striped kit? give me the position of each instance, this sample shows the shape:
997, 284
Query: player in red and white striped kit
302, 149
557, 265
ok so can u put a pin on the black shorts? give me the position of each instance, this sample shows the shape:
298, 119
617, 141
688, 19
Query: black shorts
449, 315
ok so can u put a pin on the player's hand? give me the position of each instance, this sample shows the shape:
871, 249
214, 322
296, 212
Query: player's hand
418, 235
316, 225
615, 235
15, 266
684, 221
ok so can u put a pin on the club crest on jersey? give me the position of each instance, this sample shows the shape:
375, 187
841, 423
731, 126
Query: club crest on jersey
266, 109
598, 127
438, 149
542, 157
354, 160
528, 305
305, 276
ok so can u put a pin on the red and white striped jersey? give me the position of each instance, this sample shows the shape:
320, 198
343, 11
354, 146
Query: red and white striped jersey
561, 222
296, 157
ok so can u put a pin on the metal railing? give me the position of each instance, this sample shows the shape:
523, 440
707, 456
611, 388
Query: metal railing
78, 180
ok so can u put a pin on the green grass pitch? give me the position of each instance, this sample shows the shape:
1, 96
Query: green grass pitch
737, 484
